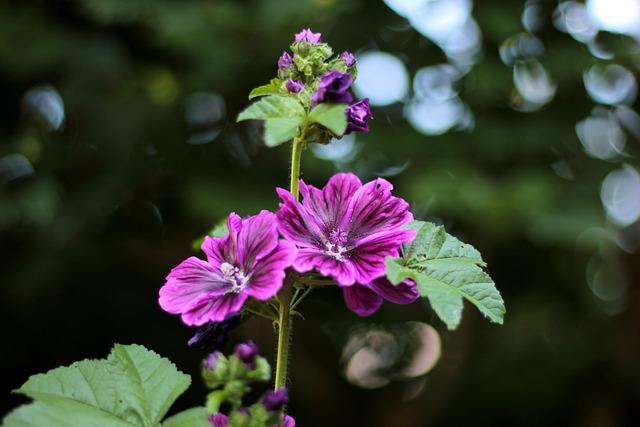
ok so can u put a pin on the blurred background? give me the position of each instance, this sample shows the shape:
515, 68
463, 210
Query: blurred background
515, 124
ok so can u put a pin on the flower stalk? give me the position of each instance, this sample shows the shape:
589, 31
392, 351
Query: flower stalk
284, 297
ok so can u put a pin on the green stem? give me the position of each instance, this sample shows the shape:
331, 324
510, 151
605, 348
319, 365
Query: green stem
284, 297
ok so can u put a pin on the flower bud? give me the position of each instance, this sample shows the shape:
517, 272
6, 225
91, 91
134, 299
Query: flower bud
306, 35
333, 87
285, 61
274, 400
287, 421
219, 420
214, 334
210, 361
348, 58
247, 353
294, 86
358, 116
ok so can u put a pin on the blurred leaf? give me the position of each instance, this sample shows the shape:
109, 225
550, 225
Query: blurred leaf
194, 417
446, 270
277, 131
272, 107
331, 116
132, 387
271, 88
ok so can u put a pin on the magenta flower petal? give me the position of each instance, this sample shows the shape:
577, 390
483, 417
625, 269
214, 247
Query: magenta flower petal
372, 208
361, 300
269, 272
402, 293
213, 308
295, 222
345, 230
187, 282
249, 261
251, 249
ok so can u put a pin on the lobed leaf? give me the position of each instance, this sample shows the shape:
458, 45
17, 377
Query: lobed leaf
446, 270
132, 387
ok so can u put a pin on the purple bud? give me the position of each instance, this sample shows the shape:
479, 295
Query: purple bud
348, 58
210, 361
247, 353
358, 116
294, 86
333, 87
287, 421
274, 400
215, 334
219, 420
306, 35
285, 61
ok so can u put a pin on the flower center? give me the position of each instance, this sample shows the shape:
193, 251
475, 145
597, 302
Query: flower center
235, 276
336, 244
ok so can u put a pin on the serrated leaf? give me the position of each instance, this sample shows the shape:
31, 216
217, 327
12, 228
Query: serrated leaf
194, 417
331, 116
156, 381
132, 387
271, 88
273, 107
446, 270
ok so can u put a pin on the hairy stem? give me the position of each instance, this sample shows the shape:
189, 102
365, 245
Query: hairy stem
284, 296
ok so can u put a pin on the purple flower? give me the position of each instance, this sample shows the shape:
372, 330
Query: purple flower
214, 335
219, 420
306, 35
346, 230
358, 116
333, 87
247, 353
210, 361
274, 400
365, 300
285, 61
294, 86
249, 261
348, 58
287, 421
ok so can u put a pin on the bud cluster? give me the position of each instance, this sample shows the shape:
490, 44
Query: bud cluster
229, 378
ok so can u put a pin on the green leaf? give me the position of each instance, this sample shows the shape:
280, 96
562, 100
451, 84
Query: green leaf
194, 417
273, 107
331, 116
277, 131
271, 88
283, 116
132, 387
446, 270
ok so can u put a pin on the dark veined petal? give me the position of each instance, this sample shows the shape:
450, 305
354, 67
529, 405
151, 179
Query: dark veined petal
330, 204
372, 209
343, 272
213, 308
269, 272
403, 293
295, 223
368, 257
361, 300
256, 239
186, 284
